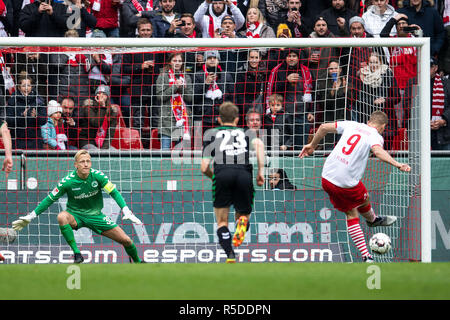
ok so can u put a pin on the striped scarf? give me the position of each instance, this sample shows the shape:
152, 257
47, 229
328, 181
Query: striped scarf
254, 30
139, 8
178, 105
437, 104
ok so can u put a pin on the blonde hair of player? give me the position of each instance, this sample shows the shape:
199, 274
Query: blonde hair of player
80, 153
228, 113
379, 120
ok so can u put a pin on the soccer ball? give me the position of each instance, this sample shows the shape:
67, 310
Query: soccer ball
380, 243
7, 235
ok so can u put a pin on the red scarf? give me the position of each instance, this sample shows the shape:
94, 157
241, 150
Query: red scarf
437, 104
59, 129
211, 27
101, 133
193, 35
253, 32
178, 106
139, 8
306, 78
362, 7
76, 60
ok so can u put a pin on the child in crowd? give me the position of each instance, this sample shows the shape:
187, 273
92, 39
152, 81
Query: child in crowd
53, 131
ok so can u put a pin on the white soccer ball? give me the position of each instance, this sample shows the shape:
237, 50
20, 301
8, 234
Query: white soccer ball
380, 243
7, 235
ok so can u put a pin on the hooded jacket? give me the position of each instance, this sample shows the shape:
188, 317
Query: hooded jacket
374, 21
205, 19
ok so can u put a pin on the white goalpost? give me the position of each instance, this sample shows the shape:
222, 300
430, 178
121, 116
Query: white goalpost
173, 200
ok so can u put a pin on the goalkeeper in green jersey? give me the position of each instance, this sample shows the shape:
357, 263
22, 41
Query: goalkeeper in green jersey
83, 187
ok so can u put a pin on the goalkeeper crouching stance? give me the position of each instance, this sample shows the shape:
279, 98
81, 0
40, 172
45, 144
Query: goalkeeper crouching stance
83, 187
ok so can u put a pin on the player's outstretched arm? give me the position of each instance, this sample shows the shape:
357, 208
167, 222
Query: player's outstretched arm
382, 154
323, 130
6, 137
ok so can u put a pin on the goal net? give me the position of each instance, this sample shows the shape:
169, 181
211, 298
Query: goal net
142, 110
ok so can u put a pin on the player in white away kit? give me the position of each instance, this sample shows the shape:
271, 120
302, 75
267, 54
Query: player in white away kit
344, 169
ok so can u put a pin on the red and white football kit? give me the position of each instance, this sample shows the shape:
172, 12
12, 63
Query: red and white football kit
345, 166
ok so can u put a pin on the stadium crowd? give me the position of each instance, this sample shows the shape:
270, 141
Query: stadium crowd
70, 100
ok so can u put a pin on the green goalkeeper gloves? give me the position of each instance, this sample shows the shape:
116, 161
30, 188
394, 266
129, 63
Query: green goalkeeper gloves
128, 215
22, 222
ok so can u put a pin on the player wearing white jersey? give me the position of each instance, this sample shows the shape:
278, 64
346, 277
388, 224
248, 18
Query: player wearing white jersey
345, 166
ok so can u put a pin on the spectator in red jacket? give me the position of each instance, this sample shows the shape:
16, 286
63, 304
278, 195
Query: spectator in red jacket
403, 61
107, 14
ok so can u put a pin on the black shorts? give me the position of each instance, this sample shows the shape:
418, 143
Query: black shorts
233, 187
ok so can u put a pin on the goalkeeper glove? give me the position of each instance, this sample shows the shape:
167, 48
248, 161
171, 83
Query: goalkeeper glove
128, 215
23, 221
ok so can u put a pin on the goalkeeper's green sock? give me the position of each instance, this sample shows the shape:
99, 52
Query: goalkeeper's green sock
67, 233
132, 252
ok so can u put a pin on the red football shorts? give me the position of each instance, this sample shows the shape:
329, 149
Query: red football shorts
345, 199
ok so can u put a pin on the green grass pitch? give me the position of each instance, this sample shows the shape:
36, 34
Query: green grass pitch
246, 281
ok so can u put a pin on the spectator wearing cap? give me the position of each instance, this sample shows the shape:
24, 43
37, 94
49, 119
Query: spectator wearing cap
440, 109
98, 120
376, 17
425, 15
25, 114
338, 16
293, 81
53, 132
212, 87
210, 14
358, 57
233, 58
297, 23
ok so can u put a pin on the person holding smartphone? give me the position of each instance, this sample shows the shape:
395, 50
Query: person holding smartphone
44, 18
297, 23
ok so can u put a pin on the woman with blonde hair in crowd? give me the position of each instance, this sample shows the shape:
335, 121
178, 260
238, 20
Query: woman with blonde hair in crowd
256, 26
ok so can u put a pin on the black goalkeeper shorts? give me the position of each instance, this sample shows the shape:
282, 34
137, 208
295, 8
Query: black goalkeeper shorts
233, 186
